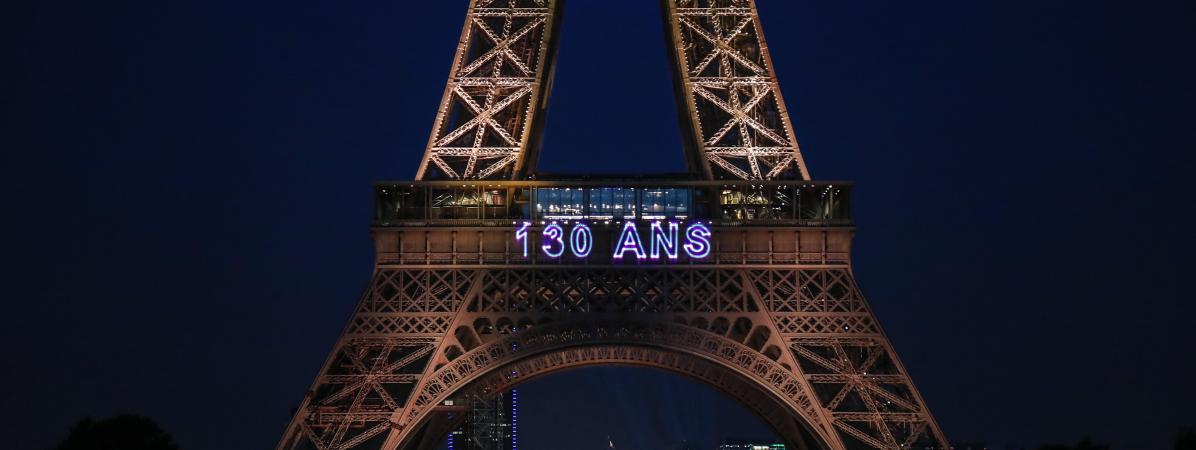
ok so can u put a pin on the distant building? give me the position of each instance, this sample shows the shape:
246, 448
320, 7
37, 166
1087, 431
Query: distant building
749, 445
489, 424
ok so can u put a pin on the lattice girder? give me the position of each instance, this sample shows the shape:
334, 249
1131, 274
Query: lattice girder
791, 337
504, 363
365, 382
421, 335
735, 119
485, 125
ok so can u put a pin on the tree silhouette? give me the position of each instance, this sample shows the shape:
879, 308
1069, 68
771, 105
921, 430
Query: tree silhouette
1185, 439
125, 432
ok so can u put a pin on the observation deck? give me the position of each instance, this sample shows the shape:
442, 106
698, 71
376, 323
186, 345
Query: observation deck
480, 222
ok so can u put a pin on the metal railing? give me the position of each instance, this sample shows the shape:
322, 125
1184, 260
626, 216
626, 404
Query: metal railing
737, 202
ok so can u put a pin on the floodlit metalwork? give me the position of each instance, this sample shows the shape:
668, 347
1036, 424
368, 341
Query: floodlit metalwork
492, 106
456, 309
737, 123
481, 285
491, 115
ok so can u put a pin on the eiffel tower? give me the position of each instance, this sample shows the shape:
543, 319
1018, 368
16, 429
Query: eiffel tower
736, 274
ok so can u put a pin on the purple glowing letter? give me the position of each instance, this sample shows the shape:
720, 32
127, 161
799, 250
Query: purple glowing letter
629, 241
697, 241
521, 236
581, 240
662, 239
554, 240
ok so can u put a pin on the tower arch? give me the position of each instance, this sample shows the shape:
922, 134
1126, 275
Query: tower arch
762, 385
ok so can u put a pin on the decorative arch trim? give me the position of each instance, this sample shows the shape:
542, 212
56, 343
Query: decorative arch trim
738, 370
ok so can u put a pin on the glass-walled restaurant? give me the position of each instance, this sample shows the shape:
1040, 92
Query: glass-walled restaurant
397, 203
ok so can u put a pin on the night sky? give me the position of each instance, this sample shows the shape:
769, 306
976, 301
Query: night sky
187, 189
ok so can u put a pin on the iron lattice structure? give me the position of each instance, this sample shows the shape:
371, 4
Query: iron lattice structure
456, 310
492, 112
496, 93
794, 342
737, 119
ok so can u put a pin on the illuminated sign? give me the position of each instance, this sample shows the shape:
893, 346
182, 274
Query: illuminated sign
664, 241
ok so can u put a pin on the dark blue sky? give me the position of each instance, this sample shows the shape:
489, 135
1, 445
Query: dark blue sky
187, 191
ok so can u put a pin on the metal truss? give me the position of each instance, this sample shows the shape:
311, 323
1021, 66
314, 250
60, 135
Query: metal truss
737, 117
798, 345
484, 128
491, 112
776, 322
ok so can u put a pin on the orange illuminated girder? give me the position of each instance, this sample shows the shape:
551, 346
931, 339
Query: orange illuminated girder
734, 119
773, 318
